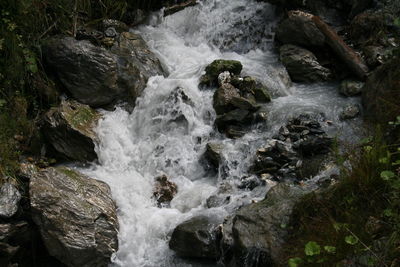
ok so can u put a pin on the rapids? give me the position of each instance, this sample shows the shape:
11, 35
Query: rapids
154, 140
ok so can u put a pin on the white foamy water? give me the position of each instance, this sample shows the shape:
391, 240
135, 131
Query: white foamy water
166, 134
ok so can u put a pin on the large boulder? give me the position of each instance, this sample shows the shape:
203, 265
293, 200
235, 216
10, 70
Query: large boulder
196, 238
259, 231
299, 29
75, 215
214, 153
69, 128
97, 76
303, 65
350, 88
9, 200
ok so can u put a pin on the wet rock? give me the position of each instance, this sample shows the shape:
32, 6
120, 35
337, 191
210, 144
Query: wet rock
214, 153
276, 158
237, 117
349, 112
218, 201
69, 128
164, 190
250, 182
299, 29
303, 65
76, 216
99, 77
9, 199
196, 238
234, 131
261, 94
223, 97
259, 230
218, 66
350, 87
224, 77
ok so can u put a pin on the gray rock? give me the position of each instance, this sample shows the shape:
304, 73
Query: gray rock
75, 215
235, 117
259, 230
164, 190
303, 65
9, 200
69, 128
350, 112
351, 87
99, 77
224, 77
196, 238
223, 97
299, 29
213, 153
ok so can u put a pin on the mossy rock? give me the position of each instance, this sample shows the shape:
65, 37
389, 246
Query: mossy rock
218, 66
261, 94
69, 128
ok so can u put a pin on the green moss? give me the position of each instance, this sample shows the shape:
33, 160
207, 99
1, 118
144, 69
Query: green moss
221, 65
81, 117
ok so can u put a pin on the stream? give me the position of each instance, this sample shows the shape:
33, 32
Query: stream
153, 140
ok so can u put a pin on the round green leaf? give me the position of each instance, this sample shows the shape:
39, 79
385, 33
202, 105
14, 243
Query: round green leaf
312, 248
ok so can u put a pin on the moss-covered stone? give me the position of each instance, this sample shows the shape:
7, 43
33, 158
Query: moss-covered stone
261, 94
218, 66
69, 128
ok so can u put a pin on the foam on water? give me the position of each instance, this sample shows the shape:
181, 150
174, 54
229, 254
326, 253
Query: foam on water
167, 134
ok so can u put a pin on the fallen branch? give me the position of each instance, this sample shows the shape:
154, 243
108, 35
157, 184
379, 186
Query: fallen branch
176, 8
355, 63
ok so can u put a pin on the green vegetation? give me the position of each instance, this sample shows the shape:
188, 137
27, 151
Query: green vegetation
24, 26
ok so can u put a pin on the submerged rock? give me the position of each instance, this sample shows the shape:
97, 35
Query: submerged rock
9, 200
217, 67
259, 230
164, 190
69, 128
76, 216
213, 153
196, 238
303, 65
299, 29
99, 77
350, 88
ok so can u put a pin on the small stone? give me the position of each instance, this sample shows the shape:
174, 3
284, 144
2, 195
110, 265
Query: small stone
165, 190
110, 32
9, 199
351, 88
213, 153
349, 112
224, 77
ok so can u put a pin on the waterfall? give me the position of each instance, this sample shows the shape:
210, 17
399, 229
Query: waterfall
167, 134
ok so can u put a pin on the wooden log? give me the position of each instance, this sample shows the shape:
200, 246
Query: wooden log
347, 54
176, 8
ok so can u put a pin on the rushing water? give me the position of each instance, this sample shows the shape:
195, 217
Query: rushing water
155, 139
